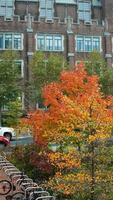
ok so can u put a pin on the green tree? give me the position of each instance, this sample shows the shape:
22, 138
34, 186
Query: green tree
96, 64
44, 69
9, 85
12, 116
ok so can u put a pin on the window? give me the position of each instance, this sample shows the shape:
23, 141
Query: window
8, 41
46, 9
7, 8
17, 41
84, 10
58, 43
66, 1
88, 43
96, 43
49, 13
80, 43
11, 41
49, 42
1, 41
42, 12
96, 3
41, 42
20, 67
20, 99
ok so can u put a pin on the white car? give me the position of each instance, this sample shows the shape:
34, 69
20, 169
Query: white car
7, 132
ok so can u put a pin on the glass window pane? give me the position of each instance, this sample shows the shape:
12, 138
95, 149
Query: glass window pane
41, 42
3, 2
84, 16
96, 2
6, 8
80, 43
84, 11
9, 12
49, 42
17, 41
81, 6
42, 3
19, 67
87, 16
8, 41
87, 6
84, 6
49, 4
81, 15
9, 2
42, 12
2, 11
46, 8
1, 41
58, 43
88, 44
96, 43
49, 13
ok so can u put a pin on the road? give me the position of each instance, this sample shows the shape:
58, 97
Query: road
19, 141
22, 141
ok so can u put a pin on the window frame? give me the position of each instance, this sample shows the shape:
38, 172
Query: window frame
47, 7
12, 40
83, 39
22, 67
52, 41
84, 11
7, 8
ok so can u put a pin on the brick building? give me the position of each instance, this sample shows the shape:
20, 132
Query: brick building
72, 28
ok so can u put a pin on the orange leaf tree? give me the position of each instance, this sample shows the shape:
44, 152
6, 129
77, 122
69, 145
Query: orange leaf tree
80, 119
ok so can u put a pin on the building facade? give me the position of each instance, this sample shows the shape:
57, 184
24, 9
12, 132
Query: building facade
73, 28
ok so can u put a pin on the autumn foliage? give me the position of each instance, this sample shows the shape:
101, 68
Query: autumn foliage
80, 119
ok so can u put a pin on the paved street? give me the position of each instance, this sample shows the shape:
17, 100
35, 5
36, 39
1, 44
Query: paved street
19, 141
22, 141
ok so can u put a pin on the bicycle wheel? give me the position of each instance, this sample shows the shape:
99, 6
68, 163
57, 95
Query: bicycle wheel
18, 196
5, 187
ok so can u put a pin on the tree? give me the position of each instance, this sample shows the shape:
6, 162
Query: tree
44, 69
32, 154
80, 119
9, 88
12, 116
97, 65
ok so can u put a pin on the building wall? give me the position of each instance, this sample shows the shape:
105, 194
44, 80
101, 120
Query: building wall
26, 20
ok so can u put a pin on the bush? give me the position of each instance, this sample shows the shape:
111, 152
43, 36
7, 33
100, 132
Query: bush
33, 161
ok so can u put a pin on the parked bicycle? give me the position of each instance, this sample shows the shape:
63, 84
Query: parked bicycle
19, 186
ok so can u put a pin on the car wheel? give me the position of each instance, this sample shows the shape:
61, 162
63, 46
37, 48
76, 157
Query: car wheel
8, 136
